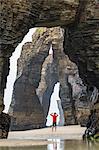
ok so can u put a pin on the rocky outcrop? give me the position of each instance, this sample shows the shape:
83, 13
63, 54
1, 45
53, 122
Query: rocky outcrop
62, 63
27, 81
48, 80
38, 72
79, 17
4, 124
17, 17
81, 44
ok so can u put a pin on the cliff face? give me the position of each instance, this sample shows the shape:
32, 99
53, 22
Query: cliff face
82, 44
38, 72
17, 17
26, 105
79, 18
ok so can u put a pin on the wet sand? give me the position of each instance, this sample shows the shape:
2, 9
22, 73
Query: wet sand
41, 136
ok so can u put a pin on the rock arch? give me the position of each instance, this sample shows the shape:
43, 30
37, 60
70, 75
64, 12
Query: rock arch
38, 72
18, 16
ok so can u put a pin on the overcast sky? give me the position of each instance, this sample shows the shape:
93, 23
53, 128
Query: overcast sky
12, 76
53, 105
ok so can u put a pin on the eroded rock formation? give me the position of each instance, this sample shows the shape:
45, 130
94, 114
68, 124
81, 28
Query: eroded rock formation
17, 17
38, 72
26, 105
34, 71
79, 17
82, 45
4, 124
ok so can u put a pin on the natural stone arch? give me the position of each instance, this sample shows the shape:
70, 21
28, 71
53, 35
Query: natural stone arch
48, 80
21, 26
18, 17
37, 74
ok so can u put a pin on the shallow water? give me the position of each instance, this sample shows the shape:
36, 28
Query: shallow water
60, 145
25, 148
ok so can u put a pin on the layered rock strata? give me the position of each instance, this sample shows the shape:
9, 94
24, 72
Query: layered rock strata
18, 16
26, 105
46, 86
38, 72
81, 44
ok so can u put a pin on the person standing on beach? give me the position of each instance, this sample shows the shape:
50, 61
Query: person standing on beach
54, 117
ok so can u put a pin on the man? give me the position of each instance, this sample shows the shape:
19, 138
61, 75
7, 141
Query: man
54, 117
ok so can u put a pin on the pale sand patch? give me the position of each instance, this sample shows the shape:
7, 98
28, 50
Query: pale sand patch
22, 143
41, 136
66, 132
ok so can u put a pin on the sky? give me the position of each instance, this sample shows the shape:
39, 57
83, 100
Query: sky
12, 76
53, 104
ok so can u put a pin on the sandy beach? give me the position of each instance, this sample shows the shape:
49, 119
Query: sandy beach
42, 136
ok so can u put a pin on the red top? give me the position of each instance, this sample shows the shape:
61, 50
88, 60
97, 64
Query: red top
54, 117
